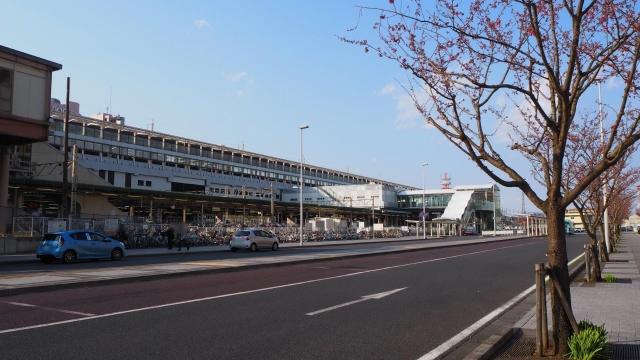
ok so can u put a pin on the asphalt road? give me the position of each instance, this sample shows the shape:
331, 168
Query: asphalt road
309, 248
262, 313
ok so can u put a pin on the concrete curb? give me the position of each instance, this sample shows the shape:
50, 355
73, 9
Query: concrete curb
149, 277
490, 347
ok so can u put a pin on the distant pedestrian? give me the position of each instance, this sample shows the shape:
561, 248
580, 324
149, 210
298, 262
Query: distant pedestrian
121, 234
183, 238
170, 234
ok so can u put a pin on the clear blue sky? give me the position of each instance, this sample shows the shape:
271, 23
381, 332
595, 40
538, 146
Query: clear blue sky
241, 72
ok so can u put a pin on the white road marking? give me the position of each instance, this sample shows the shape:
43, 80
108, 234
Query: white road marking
452, 343
377, 296
49, 308
253, 291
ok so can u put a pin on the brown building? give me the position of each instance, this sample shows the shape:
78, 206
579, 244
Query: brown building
25, 96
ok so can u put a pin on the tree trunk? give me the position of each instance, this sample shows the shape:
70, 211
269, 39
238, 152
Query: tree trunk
604, 253
557, 255
596, 271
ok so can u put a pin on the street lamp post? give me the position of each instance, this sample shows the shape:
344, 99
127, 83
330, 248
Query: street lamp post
604, 180
493, 197
424, 205
302, 127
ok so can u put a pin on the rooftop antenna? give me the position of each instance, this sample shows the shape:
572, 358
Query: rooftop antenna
110, 95
445, 181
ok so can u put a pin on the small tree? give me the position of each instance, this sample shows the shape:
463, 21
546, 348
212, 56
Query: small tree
620, 208
467, 59
583, 152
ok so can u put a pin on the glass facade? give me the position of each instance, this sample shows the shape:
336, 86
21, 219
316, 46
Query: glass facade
431, 200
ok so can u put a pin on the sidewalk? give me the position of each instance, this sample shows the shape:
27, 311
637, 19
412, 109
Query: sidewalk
29, 281
616, 305
30, 257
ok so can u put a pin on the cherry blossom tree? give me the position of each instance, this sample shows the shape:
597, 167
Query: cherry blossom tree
522, 68
583, 151
620, 208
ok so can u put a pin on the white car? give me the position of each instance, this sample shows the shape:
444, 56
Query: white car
253, 239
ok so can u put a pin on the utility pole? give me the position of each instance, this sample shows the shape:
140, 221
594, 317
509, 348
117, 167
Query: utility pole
301, 182
604, 180
273, 216
244, 205
373, 219
65, 163
74, 181
493, 197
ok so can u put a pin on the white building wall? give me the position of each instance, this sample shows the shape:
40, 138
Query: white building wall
157, 183
118, 179
358, 196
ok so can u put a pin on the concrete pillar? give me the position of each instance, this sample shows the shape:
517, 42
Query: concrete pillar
18, 202
4, 188
184, 214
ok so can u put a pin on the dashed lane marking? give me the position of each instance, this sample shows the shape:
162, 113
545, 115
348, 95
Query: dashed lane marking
48, 308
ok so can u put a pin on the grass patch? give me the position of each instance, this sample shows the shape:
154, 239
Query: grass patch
589, 343
609, 278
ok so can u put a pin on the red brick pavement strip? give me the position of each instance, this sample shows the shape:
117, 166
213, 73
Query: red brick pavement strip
111, 298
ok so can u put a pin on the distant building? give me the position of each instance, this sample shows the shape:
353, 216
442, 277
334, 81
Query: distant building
632, 222
574, 216
58, 106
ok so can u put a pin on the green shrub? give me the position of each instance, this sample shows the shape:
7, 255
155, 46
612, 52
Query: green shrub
589, 342
609, 278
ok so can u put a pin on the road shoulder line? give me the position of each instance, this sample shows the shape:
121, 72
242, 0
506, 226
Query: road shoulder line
449, 345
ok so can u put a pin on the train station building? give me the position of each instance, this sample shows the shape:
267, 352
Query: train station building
122, 173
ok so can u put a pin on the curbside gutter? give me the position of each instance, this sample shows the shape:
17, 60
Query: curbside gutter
148, 277
490, 346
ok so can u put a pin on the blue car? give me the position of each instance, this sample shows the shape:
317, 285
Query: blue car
70, 246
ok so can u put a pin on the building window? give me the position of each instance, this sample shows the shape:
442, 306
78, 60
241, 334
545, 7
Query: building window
92, 131
5, 90
126, 137
170, 145
110, 134
141, 140
156, 143
147, 183
75, 128
140, 182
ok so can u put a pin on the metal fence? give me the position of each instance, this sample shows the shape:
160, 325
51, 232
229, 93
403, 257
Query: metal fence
140, 233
